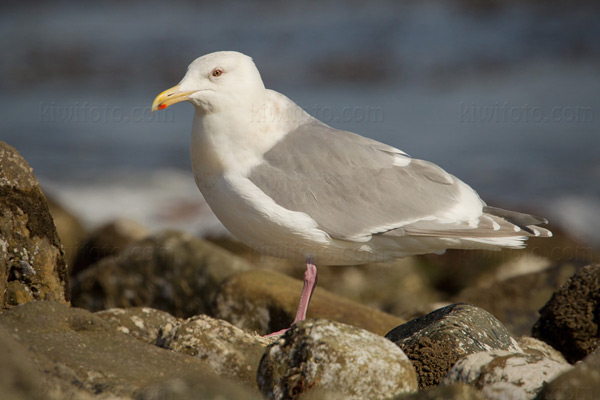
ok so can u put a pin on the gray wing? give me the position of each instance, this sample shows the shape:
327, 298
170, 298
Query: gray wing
350, 185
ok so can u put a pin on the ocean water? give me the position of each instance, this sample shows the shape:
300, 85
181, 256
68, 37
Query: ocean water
507, 98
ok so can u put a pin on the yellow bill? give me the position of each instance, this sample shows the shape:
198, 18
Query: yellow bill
169, 97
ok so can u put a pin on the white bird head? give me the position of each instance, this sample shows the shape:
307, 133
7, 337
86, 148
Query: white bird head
215, 81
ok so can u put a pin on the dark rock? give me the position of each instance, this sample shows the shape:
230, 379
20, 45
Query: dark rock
334, 357
431, 359
32, 265
171, 271
436, 341
108, 240
266, 301
80, 354
228, 350
455, 391
580, 383
515, 301
503, 375
19, 379
140, 322
70, 230
569, 321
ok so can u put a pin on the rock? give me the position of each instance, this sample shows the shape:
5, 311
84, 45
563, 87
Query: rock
460, 269
334, 357
266, 301
457, 270
454, 391
320, 394
515, 301
193, 388
32, 264
19, 379
531, 345
171, 271
503, 375
569, 321
140, 322
436, 341
70, 230
580, 383
228, 350
524, 264
108, 240
399, 287
260, 260
80, 353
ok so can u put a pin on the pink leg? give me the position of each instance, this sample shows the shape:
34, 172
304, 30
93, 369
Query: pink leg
310, 282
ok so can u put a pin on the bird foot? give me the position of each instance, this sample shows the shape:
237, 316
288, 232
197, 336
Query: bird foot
278, 333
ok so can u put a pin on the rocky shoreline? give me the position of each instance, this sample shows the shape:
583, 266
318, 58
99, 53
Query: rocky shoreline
123, 313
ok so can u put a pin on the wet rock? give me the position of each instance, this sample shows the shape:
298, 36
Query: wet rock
70, 230
454, 391
108, 240
265, 301
569, 321
32, 265
580, 383
228, 350
503, 375
334, 357
171, 271
19, 379
193, 388
436, 341
140, 322
81, 354
515, 301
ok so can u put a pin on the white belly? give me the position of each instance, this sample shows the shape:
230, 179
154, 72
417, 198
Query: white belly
258, 221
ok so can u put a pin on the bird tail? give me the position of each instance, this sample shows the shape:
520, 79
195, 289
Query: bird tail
496, 228
526, 222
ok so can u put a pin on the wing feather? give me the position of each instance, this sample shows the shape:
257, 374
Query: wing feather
354, 187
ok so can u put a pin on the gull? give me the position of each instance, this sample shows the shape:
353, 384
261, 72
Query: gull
290, 186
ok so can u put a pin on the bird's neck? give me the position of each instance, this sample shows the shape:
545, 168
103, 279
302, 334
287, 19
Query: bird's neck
233, 140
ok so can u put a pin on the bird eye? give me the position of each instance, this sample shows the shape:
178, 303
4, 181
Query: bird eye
217, 72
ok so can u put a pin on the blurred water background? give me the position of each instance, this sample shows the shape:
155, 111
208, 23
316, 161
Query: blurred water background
505, 95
